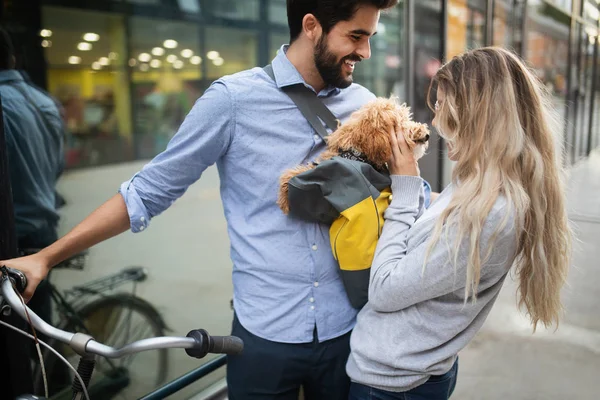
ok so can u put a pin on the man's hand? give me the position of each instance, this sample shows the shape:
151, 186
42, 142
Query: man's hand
403, 159
35, 269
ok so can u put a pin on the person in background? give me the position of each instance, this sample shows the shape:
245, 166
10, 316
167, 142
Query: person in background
34, 138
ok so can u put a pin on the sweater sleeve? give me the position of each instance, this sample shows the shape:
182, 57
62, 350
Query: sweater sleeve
399, 279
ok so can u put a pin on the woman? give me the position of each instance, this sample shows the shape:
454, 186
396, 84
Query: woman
437, 273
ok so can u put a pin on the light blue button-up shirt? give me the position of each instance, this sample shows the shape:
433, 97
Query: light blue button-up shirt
285, 279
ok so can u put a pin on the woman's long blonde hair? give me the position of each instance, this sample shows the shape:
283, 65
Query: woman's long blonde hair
497, 118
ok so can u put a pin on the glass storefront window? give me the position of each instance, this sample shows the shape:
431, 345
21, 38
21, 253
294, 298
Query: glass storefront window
276, 40
383, 73
229, 51
591, 12
428, 51
565, 5
86, 73
234, 9
278, 12
583, 93
504, 23
165, 64
466, 26
547, 50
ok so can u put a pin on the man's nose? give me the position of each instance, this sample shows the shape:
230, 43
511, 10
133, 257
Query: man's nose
364, 51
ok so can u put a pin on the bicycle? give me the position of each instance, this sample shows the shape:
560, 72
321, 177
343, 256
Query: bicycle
112, 318
198, 343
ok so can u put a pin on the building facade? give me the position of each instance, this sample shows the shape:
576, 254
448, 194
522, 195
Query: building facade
128, 71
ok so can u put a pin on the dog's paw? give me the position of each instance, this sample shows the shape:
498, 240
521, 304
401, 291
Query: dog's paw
284, 180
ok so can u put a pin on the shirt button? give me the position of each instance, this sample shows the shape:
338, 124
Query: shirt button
316, 137
316, 284
312, 307
142, 228
312, 299
314, 247
142, 219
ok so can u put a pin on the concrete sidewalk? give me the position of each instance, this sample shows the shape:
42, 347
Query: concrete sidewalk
507, 361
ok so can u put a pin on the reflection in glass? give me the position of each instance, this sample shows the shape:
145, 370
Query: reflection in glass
278, 12
166, 82
86, 75
235, 49
428, 50
383, 73
504, 23
466, 26
233, 9
276, 40
547, 50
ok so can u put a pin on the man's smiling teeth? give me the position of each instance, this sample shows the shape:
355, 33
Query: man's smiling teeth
350, 63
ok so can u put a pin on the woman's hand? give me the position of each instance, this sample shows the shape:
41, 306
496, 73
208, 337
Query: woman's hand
403, 159
35, 269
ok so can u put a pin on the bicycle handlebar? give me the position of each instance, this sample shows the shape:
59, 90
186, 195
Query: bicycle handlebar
197, 344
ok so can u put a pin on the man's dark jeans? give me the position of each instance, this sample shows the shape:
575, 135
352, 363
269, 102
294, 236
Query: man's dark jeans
275, 371
438, 387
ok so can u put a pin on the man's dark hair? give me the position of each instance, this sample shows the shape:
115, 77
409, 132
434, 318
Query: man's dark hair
327, 12
7, 51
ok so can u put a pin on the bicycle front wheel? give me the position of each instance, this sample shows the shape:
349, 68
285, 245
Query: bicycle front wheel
117, 320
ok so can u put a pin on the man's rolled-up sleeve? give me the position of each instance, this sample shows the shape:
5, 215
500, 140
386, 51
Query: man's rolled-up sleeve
203, 137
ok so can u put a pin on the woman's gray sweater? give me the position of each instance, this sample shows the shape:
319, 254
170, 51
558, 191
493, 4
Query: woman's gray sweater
416, 322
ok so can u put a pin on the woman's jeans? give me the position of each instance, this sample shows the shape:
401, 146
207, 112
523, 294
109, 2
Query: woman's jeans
438, 387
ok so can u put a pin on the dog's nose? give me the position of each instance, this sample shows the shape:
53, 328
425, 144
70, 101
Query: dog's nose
426, 137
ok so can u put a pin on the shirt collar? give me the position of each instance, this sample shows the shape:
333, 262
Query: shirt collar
10, 75
287, 75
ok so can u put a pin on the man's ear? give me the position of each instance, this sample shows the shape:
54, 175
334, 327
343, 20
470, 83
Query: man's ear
13, 62
311, 27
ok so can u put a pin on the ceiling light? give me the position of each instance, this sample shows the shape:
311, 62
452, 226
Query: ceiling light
144, 67
74, 60
132, 62
178, 64
104, 61
46, 43
91, 37
45, 33
112, 55
84, 46
196, 60
187, 53
212, 55
218, 61
155, 63
96, 65
170, 44
144, 57
158, 51
171, 58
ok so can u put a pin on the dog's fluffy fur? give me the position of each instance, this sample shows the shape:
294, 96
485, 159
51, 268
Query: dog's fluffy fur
368, 132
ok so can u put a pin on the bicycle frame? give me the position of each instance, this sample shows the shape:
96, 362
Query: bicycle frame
186, 380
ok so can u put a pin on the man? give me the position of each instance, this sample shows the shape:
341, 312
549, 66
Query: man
291, 309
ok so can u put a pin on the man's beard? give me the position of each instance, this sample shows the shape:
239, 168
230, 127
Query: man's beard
328, 66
